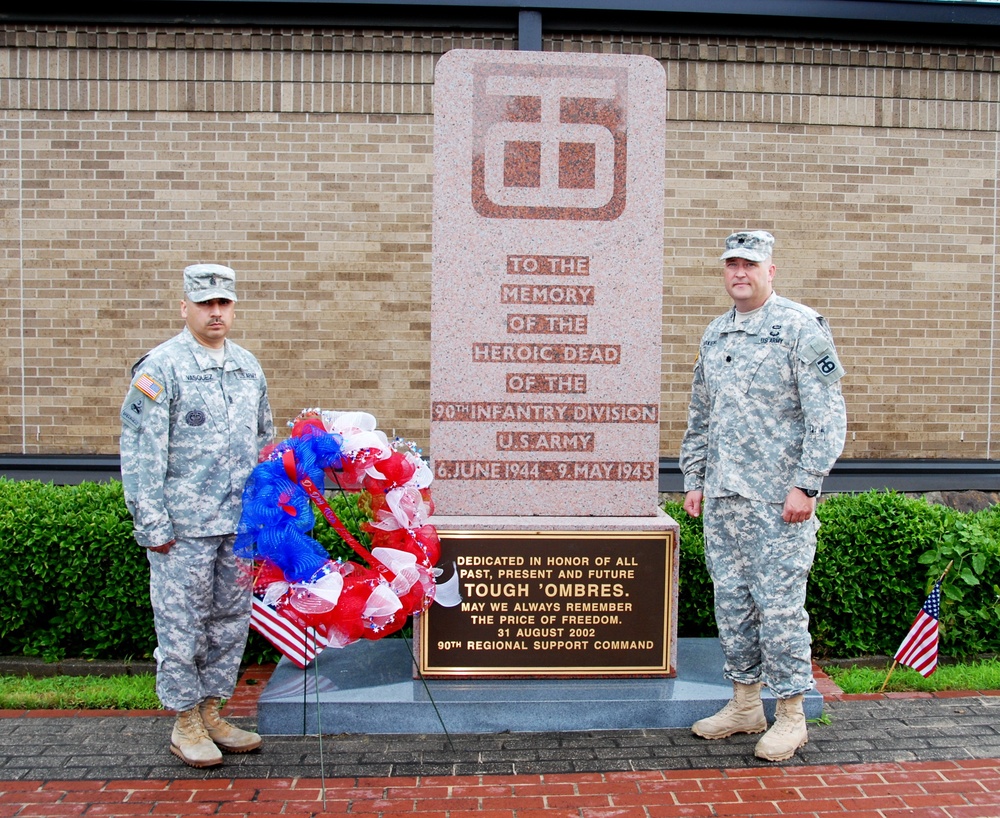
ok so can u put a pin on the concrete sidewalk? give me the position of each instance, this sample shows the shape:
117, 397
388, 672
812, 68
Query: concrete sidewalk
887, 756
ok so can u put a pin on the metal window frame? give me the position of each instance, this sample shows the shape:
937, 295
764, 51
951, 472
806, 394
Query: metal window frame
847, 475
970, 22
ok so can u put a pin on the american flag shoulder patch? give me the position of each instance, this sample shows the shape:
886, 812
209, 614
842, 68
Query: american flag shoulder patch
149, 387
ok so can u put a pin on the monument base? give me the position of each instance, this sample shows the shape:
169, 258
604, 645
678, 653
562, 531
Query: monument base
368, 687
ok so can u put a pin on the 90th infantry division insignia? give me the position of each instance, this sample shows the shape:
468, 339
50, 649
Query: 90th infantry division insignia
825, 362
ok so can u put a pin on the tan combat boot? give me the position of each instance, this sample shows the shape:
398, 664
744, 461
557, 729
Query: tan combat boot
190, 743
743, 714
227, 736
787, 734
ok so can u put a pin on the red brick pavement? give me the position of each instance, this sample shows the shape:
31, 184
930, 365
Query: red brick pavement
938, 789
967, 789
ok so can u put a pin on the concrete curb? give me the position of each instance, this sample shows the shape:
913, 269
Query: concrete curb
40, 669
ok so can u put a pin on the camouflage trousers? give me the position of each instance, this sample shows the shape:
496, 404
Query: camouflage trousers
760, 565
202, 615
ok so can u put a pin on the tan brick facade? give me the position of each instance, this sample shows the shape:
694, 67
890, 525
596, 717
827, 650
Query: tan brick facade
303, 159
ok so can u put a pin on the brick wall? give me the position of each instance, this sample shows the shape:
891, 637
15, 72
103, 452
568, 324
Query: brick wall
303, 159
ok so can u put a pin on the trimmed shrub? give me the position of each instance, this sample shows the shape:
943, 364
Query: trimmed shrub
73, 580
970, 594
877, 557
76, 584
867, 584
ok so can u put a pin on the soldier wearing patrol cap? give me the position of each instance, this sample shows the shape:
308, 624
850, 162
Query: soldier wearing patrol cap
766, 423
194, 420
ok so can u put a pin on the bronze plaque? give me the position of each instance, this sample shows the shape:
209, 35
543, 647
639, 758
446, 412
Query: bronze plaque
552, 603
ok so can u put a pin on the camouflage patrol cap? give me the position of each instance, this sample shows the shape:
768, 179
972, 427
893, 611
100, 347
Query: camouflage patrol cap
203, 282
755, 245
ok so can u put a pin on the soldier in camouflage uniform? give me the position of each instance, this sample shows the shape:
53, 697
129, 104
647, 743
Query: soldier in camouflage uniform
766, 423
193, 423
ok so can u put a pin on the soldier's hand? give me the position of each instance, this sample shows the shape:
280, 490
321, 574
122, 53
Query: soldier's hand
692, 503
163, 549
798, 507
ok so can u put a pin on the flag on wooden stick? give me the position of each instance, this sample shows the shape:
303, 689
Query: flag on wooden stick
920, 647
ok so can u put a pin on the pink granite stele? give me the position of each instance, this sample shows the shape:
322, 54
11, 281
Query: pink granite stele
547, 284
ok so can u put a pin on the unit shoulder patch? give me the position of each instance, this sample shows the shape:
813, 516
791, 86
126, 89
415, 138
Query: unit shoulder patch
821, 357
131, 414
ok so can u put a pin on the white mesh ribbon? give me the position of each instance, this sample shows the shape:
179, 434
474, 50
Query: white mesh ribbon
382, 605
423, 476
337, 639
328, 587
305, 601
358, 430
407, 509
448, 593
274, 592
403, 564
317, 596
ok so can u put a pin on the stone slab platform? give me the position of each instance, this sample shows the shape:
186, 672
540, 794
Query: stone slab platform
369, 688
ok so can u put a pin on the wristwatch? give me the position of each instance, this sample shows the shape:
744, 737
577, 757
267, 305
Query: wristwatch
808, 492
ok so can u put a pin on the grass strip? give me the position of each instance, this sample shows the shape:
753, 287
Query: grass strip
79, 693
138, 692
980, 675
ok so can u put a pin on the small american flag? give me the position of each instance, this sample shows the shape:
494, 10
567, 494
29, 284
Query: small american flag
148, 386
920, 647
300, 645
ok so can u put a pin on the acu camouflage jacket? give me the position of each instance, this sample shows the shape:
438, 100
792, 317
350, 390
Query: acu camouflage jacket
766, 410
191, 434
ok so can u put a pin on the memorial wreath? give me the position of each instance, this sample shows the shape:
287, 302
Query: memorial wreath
303, 599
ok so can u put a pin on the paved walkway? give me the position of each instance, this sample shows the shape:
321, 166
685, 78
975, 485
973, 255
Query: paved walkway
879, 756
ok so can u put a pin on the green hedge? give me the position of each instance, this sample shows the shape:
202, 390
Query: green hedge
867, 583
876, 560
74, 581
76, 584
